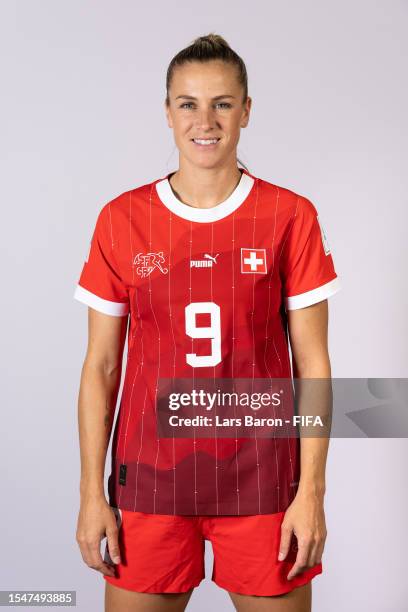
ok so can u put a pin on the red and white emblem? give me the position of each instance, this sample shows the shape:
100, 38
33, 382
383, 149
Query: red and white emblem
253, 260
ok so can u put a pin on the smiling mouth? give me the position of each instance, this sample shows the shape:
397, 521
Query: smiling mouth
205, 142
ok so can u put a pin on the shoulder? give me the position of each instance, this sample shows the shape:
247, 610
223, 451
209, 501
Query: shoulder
126, 204
288, 200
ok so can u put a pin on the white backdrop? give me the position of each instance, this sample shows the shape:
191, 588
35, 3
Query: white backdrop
82, 120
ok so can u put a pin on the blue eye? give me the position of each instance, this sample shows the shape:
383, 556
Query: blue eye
224, 104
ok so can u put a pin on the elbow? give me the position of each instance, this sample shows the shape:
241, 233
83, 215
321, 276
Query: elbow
105, 367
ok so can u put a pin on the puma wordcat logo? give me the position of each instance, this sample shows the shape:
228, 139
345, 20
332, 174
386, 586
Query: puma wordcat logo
206, 262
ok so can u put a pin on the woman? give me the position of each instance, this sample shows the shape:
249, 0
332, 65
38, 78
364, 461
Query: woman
210, 266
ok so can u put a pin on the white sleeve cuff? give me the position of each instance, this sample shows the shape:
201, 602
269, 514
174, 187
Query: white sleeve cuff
117, 309
315, 295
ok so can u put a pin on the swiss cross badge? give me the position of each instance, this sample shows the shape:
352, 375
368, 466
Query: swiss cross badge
253, 261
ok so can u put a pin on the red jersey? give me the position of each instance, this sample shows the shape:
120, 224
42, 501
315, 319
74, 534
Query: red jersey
206, 292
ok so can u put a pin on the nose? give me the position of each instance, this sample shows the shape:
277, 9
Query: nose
205, 119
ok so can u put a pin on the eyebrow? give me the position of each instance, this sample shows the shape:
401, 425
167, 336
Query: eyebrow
214, 98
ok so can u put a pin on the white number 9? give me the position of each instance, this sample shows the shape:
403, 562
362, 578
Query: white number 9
213, 332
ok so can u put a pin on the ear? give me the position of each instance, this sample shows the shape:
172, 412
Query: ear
168, 115
245, 116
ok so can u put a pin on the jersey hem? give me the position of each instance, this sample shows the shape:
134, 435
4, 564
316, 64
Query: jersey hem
225, 508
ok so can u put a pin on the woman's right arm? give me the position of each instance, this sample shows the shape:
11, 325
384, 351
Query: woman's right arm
99, 386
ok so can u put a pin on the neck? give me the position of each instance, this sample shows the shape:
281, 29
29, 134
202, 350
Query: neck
204, 187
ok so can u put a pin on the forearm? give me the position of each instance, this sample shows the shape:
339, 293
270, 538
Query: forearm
315, 401
313, 456
96, 407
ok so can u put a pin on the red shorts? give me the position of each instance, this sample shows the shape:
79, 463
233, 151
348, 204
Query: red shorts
164, 553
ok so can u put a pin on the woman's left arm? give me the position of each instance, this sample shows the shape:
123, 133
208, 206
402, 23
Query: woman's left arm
308, 331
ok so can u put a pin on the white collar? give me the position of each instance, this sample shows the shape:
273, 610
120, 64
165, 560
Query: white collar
205, 215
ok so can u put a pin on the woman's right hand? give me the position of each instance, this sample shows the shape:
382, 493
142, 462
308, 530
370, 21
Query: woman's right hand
96, 520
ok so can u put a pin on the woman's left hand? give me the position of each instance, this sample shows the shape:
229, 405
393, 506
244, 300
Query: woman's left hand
305, 518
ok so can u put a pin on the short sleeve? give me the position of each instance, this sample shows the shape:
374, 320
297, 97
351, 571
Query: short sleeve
100, 285
307, 270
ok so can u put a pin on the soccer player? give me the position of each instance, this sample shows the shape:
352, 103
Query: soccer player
209, 272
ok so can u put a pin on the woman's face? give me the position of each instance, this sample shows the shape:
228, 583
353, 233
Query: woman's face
205, 102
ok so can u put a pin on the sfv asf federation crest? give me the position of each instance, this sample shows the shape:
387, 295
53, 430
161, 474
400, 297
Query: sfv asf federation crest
146, 262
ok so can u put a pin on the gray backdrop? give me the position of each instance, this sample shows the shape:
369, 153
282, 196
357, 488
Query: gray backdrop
82, 116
